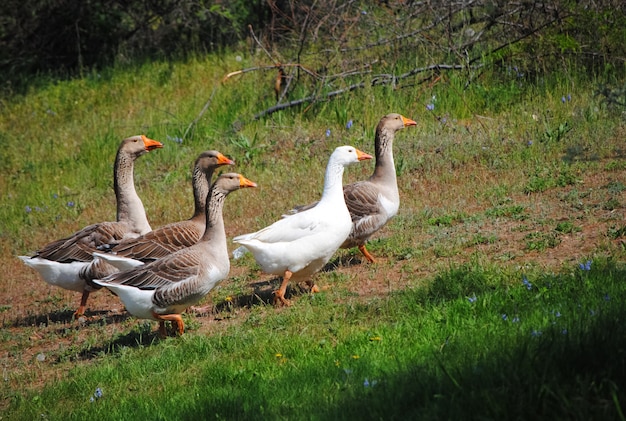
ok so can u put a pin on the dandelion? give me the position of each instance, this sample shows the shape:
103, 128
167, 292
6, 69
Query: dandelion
28, 209
527, 283
430, 107
585, 266
327, 132
349, 124
278, 355
70, 204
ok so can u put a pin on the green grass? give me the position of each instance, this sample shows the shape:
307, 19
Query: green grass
474, 342
495, 182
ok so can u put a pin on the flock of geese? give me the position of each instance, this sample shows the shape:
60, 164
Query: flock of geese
158, 274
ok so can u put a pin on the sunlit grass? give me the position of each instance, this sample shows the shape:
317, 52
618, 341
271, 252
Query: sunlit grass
446, 339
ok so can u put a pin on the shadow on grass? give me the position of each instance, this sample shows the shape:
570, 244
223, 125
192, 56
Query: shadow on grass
57, 316
142, 336
577, 373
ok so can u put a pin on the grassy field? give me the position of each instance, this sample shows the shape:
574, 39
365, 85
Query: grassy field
498, 291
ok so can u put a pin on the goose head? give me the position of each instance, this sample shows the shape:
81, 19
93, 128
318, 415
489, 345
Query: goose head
231, 181
208, 160
395, 122
348, 155
136, 146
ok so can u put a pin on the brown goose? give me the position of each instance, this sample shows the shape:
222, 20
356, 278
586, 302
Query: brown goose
175, 236
161, 290
373, 202
68, 263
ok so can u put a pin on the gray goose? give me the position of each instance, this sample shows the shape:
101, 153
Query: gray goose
68, 263
161, 290
175, 236
373, 202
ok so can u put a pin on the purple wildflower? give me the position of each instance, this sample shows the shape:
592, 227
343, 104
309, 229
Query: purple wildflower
349, 124
430, 107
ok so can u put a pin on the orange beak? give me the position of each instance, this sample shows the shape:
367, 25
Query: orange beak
408, 122
362, 155
223, 160
244, 182
150, 144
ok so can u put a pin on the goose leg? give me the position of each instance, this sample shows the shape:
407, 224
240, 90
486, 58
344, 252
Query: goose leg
176, 319
366, 253
279, 294
83, 304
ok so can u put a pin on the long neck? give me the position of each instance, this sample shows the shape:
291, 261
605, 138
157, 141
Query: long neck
200, 183
214, 231
385, 169
333, 188
129, 206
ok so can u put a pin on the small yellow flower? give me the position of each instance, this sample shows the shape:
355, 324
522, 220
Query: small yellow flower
356, 357
278, 355
336, 363
376, 338
229, 298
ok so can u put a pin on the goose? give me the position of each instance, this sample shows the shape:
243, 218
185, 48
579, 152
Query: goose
162, 289
68, 263
373, 202
175, 236
298, 245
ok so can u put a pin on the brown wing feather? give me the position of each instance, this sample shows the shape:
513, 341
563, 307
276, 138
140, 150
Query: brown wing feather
161, 242
80, 245
161, 273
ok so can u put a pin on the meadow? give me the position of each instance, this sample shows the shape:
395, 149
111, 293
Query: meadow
498, 291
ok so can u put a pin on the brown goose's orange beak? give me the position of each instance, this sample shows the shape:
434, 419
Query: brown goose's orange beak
150, 144
223, 160
408, 122
244, 182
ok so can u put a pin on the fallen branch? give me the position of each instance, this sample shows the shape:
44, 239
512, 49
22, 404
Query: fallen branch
382, 79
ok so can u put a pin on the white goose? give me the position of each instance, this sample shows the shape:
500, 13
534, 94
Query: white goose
68, 263
373, 202
299, 245
175, 236
161, 290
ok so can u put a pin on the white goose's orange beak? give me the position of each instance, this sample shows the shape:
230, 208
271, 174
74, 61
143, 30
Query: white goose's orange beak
362, 155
